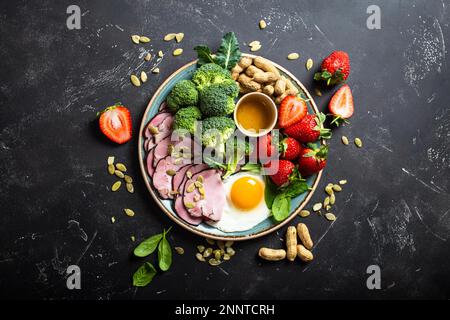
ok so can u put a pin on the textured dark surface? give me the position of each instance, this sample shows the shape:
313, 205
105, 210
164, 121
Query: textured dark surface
54, 198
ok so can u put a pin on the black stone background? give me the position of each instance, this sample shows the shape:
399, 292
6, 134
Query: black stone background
394, 211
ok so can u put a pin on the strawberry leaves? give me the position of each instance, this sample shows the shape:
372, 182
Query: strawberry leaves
325, 133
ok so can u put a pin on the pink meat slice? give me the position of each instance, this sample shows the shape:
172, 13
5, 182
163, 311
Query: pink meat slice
162, 181
161, 150
211, 207
150, 167
179, 177
164, 130
162, 106
156, 121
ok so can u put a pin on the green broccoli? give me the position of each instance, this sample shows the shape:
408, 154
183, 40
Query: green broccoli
186, 118
218, 99
183, 94
209, 74
217, 130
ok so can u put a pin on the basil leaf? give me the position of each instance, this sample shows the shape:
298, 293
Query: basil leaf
296, 188
147, 246
281, 207
228, 54
270, 192
144, 275
204, 55
164, 254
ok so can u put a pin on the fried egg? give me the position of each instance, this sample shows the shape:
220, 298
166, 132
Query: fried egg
245, 206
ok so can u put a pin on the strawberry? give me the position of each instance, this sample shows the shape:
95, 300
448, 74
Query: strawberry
309, 129
341, 105
284, 170
290, 149
292, 109
312, 160
115, 123
335, 68
265, 148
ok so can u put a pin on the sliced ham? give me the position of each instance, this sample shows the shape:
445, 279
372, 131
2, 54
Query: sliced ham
179, 177
164, 130
162, 180
156, 121
162, 106
161, 150
150, 167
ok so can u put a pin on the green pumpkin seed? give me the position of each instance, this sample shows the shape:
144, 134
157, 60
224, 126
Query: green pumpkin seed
293, 56
329, 216
318, 92
228, 244
254, 43
217, 254
332, 199
198, 184
135, 39
179, 37
121, 167
110, 160
171, 172
200, 179
143, 77
304, 213
153, 130
317, 207
111, 169
309, 64
169, 36
129, 212
128, 179
329, 190
337, 188
177, 52
200, 257
147, 57
344, 140
342, 182
190, 188
207, 252
130, 187
144, 39
113, 220
214, 262
230, 251
326, 202
189, 174
221, 244
179, 250
255, 48
200, 248
210, 241
262, 24
226, 257
133, 238
119, 174
358, 142
160, 54
155, 71
328, 207
189, 205
116, 186
201, 190
135, 80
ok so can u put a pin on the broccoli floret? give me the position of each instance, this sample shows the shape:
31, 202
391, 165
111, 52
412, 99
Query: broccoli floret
218, 99
186, 118
183, 94
217, 130
209, 74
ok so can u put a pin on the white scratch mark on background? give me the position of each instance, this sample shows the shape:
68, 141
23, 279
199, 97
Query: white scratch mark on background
426, 226
87, 247
420, 180
323, 35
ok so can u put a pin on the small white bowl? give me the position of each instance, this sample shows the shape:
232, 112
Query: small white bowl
271, 103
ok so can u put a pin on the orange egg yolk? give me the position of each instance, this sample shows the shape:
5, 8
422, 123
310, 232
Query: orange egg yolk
246, 193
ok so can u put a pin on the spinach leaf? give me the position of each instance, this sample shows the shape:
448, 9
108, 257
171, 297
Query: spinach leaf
147, 246
228, 54
144, 275
281, 207
270, 192
204, 55
164, 254
296, 188
251, 167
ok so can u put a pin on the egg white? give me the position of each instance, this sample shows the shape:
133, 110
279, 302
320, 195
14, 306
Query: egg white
234, 219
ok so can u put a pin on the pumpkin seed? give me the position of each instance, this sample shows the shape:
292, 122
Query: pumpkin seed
201, 190
116, 186
326, 202
111, 169
200, 248
210, 241
342, 182
337, 188
143, 76
160, 54
135, 39
169, 37
179, 37
198, 184
121, 167
200, 257
128, 179
178, 161
110, 160
200, 179
231, 251
255, 48
358, 142
228, 244
221, 244
187, 155
317, 207
329, 190
171, 172
144, 39
318, 92
189, 174
147, 57
309, 64
119, 174
293, 56
113, 219
213, 262
217, 254
155, 71
130, 187
207, 252
328, 207
133, 238
190, 188
254, 43
332, 199
173, 192
262, 24
177, 52
129, 212
304, 213
330, 217
196, 198
153, 130
189, 205
226, 257
179, 250
135, 80
344, 140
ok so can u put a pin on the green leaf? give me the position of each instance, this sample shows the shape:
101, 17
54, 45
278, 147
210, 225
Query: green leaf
295, 188
270, 192
144, 275
251, 167
204, 55
228, 54
147, 246
281, 207
164, 254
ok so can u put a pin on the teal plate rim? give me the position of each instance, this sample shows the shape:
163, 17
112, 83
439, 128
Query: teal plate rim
204, 230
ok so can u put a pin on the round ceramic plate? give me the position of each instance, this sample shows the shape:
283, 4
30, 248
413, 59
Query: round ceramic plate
267, 226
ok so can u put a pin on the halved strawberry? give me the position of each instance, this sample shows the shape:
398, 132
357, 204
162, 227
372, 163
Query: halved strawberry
292, 109
312, 160
115, 123
341, 105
